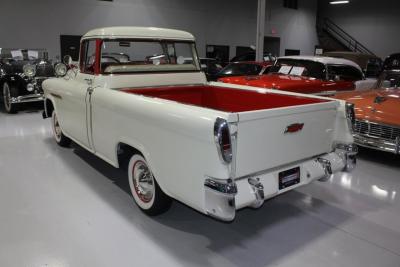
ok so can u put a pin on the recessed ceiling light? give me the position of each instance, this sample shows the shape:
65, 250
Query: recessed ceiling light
338, 2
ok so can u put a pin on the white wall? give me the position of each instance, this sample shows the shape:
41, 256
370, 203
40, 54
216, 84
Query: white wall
374, 24
38, 24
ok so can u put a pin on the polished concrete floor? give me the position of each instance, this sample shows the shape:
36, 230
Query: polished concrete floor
64, 207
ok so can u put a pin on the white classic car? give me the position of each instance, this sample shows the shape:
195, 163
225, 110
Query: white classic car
135, 99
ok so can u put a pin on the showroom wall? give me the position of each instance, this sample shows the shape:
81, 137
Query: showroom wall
374, 24
38, 24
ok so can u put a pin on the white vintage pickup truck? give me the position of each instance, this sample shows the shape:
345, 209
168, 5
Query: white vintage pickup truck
139, 100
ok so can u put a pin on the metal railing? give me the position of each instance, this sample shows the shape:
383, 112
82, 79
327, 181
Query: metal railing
343, 37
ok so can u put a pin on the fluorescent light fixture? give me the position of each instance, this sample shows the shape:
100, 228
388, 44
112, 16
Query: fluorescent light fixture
339, 2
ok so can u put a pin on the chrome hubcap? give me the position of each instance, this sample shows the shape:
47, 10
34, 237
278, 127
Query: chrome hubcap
143, 181
6, 97
57, 128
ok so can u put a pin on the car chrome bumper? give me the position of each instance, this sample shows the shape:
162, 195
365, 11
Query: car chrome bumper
27, 98
224, 197
392, 146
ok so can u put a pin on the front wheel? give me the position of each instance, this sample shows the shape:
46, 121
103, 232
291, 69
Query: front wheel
58, 135
145, 190
9, 91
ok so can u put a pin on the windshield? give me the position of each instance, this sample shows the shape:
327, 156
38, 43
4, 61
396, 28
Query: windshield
132, 56
23, 54
241, 69
299, 68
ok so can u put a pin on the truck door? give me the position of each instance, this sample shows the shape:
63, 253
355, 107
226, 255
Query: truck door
76, 103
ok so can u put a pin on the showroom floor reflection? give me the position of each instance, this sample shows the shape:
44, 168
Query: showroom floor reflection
65, 207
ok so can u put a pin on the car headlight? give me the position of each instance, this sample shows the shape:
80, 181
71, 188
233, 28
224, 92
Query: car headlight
30, 87
29, 70
61, 69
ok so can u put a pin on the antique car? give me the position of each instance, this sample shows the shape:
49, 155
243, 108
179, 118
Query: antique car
244, 68
370, 64
308, 75
212, 146
22, 72
377, 113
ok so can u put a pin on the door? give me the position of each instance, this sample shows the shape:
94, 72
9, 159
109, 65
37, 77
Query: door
263, 141
272, 45
219, 52
75, 107
241, 50
70, 46
292, 52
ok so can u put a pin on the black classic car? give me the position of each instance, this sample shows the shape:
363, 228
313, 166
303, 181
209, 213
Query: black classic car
210, 66
22, 72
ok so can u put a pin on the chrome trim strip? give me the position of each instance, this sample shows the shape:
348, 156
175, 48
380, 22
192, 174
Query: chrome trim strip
221, 186
27, 98
378, 143
159, 86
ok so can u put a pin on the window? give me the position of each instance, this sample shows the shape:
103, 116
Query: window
344, 72
242, 69
88, 56
290, 4
296, 67
132, 56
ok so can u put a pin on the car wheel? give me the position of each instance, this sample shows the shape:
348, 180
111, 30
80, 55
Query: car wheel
60, 138
9, 91
145, 190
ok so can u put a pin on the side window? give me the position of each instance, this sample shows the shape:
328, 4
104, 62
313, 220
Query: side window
88, 56
345, 73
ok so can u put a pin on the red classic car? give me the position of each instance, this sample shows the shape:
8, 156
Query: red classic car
311, 75
377, 114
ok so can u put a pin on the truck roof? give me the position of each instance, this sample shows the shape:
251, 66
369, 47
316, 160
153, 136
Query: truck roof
139, 32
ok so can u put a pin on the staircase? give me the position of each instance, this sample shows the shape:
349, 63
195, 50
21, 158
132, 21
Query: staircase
334, 38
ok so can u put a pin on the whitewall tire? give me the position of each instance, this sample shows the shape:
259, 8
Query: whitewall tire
58, 135
144, 188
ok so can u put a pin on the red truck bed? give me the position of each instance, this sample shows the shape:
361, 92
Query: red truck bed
223, 99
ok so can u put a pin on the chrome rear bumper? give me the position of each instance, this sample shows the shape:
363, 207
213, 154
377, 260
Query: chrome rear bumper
392, 146
27, 98
224, 196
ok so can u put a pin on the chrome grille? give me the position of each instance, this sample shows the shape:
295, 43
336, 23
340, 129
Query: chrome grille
376, 130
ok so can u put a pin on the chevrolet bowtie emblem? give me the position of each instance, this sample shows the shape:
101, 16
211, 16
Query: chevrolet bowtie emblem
293, 128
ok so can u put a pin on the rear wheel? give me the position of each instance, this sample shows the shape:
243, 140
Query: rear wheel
9, 91
60, 138
145, 190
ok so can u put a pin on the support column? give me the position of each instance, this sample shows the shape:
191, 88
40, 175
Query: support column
260, 30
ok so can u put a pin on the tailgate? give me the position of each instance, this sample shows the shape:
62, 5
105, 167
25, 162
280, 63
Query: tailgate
263, 144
